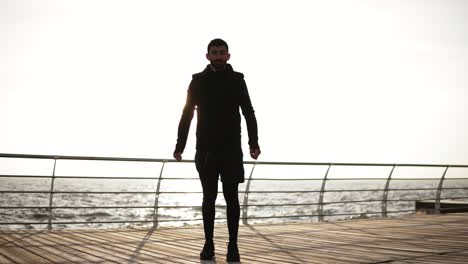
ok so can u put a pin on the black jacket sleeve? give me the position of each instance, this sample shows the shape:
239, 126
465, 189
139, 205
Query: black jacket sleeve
249, 115
185, 120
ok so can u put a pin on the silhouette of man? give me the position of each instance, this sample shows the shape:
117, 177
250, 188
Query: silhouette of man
217, 93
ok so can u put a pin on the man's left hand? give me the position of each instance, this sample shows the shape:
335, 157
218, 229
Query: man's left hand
254, 153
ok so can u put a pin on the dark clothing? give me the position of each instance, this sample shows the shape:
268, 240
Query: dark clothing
209, 166
217, 96
227, 164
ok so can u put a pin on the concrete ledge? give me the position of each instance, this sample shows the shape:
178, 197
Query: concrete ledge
446, 206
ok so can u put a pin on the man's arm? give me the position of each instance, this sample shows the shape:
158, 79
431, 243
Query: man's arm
184, 124
251, 121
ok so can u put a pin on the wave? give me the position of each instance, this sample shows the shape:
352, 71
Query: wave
261, 205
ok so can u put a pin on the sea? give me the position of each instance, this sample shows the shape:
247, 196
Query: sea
276, 195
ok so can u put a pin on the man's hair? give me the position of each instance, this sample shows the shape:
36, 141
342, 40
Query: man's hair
217, 43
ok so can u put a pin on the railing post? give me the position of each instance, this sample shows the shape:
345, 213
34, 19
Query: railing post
439, 192
245, 204
322, 193
51, 197
385, 194
156, 197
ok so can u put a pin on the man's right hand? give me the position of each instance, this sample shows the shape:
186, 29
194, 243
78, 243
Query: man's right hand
178, 156
255, 152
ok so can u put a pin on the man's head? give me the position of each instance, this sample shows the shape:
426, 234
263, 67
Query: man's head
218, 53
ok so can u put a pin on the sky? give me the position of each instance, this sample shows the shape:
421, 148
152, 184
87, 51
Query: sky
330, 81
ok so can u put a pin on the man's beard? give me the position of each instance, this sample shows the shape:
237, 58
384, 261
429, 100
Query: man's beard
218, 64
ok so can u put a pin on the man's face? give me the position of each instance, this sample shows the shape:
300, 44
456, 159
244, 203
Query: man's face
218, 56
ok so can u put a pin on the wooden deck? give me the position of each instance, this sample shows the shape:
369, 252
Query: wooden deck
414, 239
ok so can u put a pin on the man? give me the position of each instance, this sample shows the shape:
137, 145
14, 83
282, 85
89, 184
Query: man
217, 93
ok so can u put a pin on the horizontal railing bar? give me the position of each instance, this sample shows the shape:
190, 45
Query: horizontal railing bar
78, 192
326, 215
274, 205
25, 176
422, 189
92, 222
253, 179
164, 207
388, 200
105, 207
200, 219
104, 222
24, 191
357, 201
397, 189
422, 199
90, 158
62, 157
378, 190
175, 192
181, 192
372, 200
94, 177
325, 203
222, 206
287, 179
178, 178
83, 192
190, 220
435, 179
428, 199
105, 177
393, 179
348, 179
78, 177
303, 204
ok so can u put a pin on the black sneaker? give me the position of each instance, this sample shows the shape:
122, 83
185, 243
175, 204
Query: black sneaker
232, 253
208, 251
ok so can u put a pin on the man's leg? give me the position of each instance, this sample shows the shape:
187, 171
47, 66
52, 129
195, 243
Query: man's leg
208, 173
232, 172
210, 190
230, 191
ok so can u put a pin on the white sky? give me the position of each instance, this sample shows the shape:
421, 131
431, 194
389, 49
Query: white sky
331, 81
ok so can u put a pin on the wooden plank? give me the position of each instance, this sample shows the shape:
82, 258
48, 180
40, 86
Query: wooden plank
44, 249
5, 260
18, 254
68, 249
93, 250
99, 249
267, 252
163, 242
109, 245
415, 239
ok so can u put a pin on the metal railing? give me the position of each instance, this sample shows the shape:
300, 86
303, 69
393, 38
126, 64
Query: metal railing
319, 213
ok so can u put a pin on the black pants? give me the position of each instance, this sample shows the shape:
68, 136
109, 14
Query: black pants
230, 166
